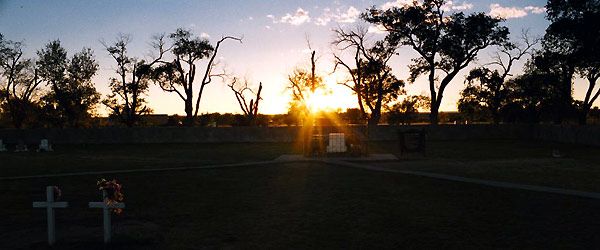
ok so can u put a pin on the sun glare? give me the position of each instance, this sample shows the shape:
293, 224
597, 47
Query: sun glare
320, 101
333, 97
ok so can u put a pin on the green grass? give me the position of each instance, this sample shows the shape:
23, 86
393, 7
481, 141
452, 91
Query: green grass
301, 206
81, 158
494, 150
526, 162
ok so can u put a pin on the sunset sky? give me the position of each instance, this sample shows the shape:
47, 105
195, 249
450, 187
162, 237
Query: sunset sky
274, 39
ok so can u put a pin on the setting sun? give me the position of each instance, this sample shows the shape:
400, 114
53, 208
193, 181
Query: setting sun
320, 101
332, 97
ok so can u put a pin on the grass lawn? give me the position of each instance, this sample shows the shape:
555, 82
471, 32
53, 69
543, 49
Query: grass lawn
80, 158
525, 162
300, 205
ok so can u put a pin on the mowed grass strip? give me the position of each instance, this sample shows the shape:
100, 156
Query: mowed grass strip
300, 205
519, 161
83, 158
524, 162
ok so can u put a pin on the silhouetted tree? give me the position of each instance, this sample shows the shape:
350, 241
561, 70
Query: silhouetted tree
533, 95
470, 107
371, 79
446, 44
295, 114
405, 112
20, 84
591, 72
354, 116
72, 98
303, 83
561, 68
179, 75
250, 109
486, 91
572, 40
126, 101
595, 115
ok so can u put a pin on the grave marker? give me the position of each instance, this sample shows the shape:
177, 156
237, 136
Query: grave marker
50, 205
106, 213
2, 147
337, 143
45, 146
412, 140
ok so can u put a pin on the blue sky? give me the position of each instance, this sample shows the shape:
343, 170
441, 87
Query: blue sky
274, 38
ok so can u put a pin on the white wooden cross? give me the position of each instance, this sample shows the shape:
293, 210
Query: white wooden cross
106, 207
50, 205
2, 147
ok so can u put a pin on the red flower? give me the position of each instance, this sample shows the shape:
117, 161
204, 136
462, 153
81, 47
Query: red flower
114, 192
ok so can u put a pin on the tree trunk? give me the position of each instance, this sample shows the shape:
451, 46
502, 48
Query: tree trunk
189, 114
566, 98
189, 109
14, 117
583, 115
434, 113
495, 108
589, 100
129, 121
374, 119
496, 117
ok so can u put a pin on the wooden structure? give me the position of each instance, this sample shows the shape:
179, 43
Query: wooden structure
413, 140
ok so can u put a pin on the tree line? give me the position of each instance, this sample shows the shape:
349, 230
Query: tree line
569, 49
55, 89
448, 42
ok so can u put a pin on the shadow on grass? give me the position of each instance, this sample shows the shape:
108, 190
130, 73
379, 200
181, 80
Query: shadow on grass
304, 205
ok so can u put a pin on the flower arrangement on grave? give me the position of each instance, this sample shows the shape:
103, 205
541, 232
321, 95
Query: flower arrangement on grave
57, 192
114, 193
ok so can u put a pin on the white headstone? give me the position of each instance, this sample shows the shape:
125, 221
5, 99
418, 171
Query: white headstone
2, 147
337, 143
106, 207
45, 146
50, 205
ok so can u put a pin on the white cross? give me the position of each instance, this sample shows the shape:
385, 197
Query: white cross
106, 213
50, 204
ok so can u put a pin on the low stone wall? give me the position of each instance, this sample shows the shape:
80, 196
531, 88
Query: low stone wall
477, 131
114, 135
151, 135
585, 135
